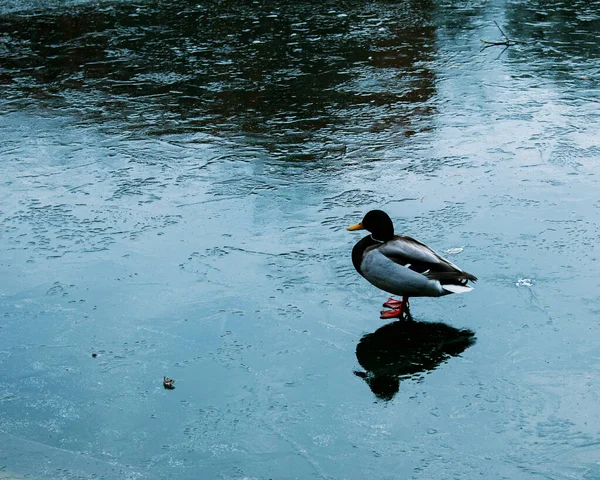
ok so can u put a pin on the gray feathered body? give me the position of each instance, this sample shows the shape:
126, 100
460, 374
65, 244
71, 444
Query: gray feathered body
404, 266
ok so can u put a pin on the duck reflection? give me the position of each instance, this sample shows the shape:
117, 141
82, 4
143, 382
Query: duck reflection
405, 349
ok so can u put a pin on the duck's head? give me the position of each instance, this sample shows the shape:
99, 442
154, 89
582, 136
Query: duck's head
378, 223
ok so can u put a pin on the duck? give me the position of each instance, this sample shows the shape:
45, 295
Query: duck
403, 266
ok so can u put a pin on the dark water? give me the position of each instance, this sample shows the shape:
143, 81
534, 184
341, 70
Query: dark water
176, 181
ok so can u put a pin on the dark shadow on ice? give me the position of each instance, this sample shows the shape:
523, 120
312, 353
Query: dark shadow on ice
405, 349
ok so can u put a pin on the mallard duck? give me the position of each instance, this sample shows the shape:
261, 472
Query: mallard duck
403, 266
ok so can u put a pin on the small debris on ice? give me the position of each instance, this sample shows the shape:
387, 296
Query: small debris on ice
168, 383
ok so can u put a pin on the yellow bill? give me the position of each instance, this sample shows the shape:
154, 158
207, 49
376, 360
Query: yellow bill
358, 226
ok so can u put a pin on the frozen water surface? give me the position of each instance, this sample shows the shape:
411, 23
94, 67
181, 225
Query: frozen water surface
176, 182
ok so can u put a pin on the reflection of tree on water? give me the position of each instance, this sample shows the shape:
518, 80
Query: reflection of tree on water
563, 31
286, 67
405, 349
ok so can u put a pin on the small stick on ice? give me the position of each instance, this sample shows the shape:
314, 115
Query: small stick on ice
507, 40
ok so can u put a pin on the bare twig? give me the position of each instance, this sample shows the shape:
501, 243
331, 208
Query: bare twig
502, 31
508, 42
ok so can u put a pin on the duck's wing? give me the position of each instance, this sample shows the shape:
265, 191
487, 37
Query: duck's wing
420, 258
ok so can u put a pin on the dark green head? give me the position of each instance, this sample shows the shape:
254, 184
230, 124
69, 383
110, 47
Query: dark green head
378, 223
